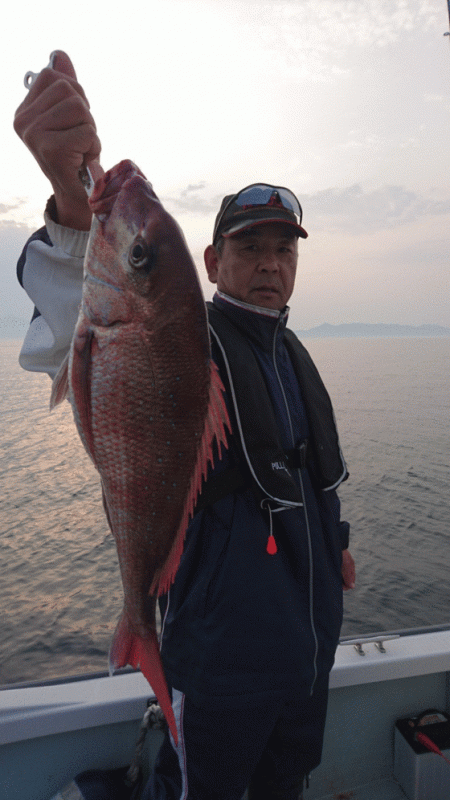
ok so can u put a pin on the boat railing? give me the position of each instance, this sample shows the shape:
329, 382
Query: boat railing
378, 638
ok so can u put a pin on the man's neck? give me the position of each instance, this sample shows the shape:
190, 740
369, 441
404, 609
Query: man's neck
267, 312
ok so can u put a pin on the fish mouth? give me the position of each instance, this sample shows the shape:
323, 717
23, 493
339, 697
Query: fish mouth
109, 186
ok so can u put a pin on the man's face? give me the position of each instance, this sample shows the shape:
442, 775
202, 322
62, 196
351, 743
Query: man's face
257, 266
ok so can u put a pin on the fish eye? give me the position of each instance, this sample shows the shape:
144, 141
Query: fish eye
139, 253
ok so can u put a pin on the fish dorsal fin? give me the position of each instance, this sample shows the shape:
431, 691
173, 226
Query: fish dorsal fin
216, 423
60, 385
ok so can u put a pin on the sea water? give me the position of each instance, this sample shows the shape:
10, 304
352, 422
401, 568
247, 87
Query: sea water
60, 589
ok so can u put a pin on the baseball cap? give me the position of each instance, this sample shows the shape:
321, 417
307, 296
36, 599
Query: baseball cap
255, 205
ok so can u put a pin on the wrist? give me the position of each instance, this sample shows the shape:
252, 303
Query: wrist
70, 212
71, 241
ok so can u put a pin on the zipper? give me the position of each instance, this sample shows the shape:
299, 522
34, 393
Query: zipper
280, 501
308, 530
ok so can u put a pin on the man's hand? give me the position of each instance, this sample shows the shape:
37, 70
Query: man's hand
348, 570
55, 123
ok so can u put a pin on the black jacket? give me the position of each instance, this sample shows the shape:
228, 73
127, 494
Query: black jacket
239, 623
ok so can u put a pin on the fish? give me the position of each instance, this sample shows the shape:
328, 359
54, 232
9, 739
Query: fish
147, 399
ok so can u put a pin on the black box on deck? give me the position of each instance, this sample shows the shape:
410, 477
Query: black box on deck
423, 775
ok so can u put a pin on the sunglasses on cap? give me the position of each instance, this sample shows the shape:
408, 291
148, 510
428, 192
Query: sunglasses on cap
256, 204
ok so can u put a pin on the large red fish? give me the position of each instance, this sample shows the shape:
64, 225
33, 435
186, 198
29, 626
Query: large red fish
147, 399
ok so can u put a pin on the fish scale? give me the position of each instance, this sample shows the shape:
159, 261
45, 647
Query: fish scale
147, 398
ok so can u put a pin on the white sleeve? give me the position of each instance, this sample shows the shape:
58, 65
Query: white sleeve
51, 272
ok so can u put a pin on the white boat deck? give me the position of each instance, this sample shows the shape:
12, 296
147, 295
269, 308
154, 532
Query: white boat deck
368, 693
50, 733
382, 790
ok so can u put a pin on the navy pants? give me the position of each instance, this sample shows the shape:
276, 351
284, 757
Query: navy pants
221, 752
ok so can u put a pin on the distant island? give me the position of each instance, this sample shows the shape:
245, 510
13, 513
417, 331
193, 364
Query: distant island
16, 328
366, 330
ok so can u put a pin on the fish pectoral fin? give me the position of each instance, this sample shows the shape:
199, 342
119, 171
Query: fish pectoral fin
60, 385
81, 380
216, 423
128, 648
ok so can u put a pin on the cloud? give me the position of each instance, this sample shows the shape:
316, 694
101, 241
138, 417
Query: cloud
192, 200
9, 226
193, 187
372, 22
360, 141
356, 211
435, 98
350, 209
312, 39
6, 209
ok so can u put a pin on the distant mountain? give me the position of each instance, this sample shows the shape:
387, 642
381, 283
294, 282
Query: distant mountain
16, 328
362, 329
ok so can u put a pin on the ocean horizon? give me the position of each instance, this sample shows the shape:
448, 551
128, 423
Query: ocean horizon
15, 328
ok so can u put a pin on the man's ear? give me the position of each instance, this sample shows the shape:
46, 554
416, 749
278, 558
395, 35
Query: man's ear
211, 257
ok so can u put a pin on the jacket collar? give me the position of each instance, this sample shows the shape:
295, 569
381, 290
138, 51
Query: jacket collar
259, 324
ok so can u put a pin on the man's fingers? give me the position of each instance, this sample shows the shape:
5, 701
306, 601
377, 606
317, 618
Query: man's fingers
62, 63
76, 145
68, 112
348, 570
56, 107
71, 149
49, 80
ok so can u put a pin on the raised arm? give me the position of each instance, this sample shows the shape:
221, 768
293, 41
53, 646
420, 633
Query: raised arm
55, 123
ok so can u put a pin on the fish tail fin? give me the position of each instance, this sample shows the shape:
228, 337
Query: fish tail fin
60, 385
128, 648
216, 423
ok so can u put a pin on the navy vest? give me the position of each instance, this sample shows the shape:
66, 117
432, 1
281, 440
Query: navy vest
255, 424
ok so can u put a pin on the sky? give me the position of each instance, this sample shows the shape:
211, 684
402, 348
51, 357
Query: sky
346, 102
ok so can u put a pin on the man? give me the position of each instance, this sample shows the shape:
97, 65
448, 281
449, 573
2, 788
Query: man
251, 623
